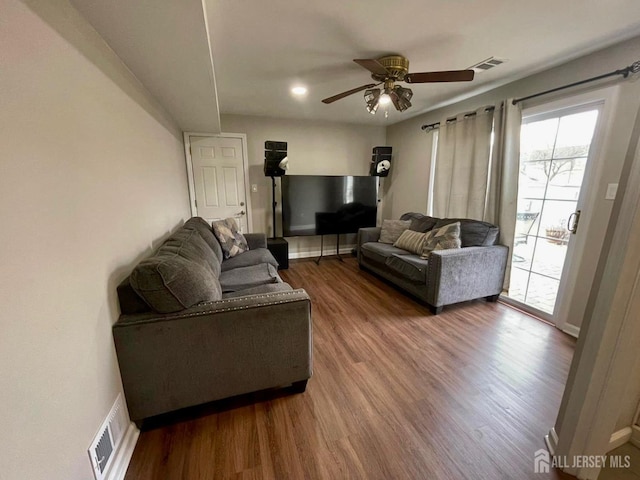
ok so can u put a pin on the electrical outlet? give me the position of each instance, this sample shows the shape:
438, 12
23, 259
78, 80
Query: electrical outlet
254, 188
612, 189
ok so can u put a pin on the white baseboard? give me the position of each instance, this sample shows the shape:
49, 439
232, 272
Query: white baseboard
123, 456
316, 253
571, 330
635, 435
551, 440
619, 438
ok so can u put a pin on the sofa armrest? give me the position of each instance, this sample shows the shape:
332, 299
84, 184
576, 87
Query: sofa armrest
213, 350
256, 240
365, 235
462, 274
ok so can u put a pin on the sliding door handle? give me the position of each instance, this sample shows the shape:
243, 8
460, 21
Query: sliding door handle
573, 226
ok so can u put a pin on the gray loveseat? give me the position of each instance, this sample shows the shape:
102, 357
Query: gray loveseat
449, 276
195, 327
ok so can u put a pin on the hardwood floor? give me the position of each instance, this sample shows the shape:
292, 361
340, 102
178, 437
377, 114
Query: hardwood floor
396, 394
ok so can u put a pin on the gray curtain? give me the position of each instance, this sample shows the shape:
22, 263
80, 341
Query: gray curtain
476, 176
502, 191
462, 166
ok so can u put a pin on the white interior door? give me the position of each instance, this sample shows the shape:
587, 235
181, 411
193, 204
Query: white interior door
219, 178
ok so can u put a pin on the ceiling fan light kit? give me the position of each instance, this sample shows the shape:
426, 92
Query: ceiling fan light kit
372, 97
391, 69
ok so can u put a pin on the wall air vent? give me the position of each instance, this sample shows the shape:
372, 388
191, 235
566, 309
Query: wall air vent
108, 439
487, 64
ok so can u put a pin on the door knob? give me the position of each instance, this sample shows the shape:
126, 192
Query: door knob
242, 204
241, 213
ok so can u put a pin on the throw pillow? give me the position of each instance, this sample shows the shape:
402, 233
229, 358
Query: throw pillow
442, 238
473, 233
231, 240
392, 229
411, 241
419, 222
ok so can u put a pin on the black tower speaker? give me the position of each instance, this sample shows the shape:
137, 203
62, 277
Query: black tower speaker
274, 152
380, 162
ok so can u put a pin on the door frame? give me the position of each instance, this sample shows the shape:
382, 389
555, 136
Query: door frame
245, 167
606, 100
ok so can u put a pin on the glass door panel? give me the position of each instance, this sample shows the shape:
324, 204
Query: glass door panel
553, 159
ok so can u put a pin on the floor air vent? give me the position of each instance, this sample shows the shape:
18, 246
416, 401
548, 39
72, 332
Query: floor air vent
108, 439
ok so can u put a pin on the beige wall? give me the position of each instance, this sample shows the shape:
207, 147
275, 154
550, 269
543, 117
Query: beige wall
314, 148
91, 173
412, 149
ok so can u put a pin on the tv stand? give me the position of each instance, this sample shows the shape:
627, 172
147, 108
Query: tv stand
322, 249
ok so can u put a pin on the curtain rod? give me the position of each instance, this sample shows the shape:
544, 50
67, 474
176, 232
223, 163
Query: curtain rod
633, 68
433, 126
625, 72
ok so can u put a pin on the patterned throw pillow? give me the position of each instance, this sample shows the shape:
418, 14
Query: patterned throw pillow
442, 238
392, 229
231, 240
411, 241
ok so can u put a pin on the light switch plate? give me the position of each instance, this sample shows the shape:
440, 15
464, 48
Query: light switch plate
612, 189
254, 188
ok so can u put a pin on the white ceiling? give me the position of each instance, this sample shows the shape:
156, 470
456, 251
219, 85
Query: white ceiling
262, 48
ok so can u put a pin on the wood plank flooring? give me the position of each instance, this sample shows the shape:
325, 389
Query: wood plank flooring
396, 394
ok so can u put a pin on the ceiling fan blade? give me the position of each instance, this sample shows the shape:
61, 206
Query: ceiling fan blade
372, 65
348, 92
445, 76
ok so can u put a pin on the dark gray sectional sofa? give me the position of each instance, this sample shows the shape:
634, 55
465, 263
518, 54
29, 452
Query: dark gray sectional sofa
449, 276
195, 327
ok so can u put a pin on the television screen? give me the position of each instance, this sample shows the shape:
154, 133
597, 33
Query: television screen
322, 205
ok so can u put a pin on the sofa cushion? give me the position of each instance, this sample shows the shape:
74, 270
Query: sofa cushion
262, 289
183, 272
419, 222
242, 278
256, 240
231, 240
251, 257
411, 241
392, 229
379, 252
169, 283
473, 233
130, 301
205, 231
411, 267
443, 238
188, 243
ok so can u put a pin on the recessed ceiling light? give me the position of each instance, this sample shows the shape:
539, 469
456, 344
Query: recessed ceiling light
299, 90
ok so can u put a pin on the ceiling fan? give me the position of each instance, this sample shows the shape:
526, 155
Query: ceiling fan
391, 69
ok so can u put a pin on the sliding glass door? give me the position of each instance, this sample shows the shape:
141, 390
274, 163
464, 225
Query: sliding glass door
554, 153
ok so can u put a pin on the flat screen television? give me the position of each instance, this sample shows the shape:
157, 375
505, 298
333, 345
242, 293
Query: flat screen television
323, 205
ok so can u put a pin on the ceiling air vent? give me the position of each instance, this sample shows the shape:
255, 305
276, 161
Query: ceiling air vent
487, 64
